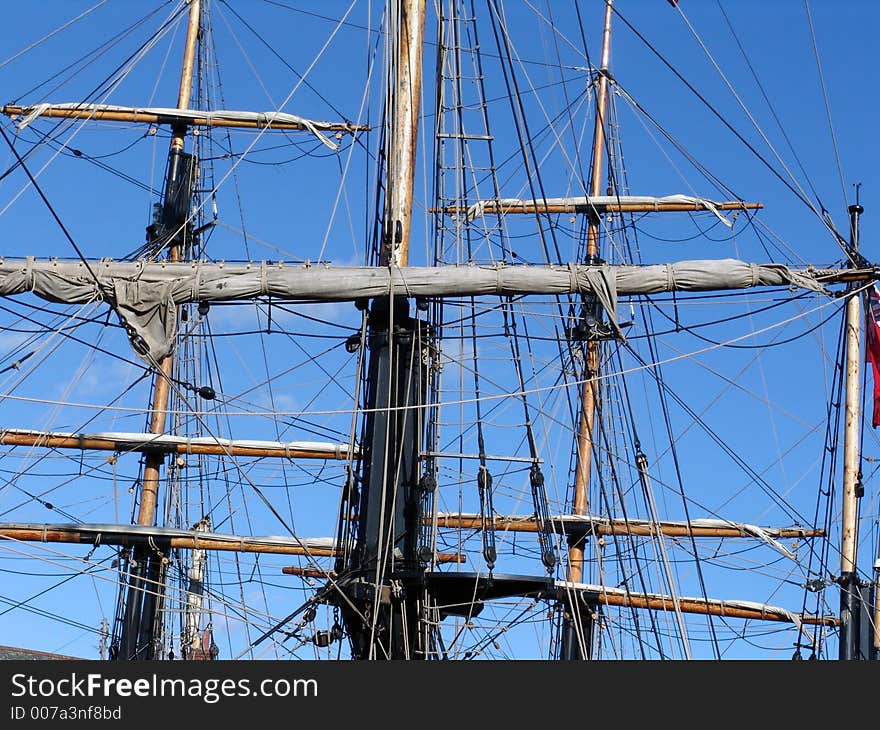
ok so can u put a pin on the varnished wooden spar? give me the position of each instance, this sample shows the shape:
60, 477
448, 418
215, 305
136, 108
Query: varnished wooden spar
493, 207
188, 117
137, 442
308, 572
658, 602
165, 538
576, 524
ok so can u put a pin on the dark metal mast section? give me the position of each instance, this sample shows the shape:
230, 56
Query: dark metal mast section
385, 574
383, 595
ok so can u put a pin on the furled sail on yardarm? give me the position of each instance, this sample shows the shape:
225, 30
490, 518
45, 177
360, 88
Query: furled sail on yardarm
459, 330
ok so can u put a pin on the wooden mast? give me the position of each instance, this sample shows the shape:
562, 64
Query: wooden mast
149, 490
850, 588
849, 545
576, 640
141, 606
406, 96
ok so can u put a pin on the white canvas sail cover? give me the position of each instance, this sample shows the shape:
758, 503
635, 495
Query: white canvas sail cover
168, 115
598, 203
125, 440
145, 295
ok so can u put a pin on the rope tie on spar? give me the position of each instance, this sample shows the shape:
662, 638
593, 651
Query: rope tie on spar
670, 284
710, 206
670, 277
29, 273
310, 126
36, 111
409, 294
264, 278
573, 283
95, 546
196, 288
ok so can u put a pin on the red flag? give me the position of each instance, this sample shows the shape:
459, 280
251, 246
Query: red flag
872, 347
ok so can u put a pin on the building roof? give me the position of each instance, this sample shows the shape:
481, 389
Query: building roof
13, 652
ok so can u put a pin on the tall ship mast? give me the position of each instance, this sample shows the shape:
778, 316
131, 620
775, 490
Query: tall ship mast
355, 333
